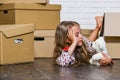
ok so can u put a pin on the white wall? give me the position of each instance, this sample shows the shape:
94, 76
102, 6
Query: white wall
84, 11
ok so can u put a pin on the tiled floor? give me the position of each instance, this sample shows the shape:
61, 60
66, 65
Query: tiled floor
44, 69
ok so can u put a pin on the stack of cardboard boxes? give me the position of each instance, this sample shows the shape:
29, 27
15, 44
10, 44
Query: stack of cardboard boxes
45, 18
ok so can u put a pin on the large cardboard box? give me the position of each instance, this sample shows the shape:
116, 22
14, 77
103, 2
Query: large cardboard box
24, 1
44, 42
112, 34
16, 43
43, 16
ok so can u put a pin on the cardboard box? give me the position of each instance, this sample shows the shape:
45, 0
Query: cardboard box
16, 43
43, 16
44, 43
112, 34
24, 1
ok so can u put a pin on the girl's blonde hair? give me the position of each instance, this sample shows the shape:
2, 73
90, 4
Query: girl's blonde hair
60, 42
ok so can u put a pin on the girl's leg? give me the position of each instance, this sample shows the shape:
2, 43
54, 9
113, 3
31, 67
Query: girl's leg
93, 36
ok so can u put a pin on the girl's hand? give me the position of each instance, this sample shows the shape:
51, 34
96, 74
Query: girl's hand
105, 60
71, 36
71, 39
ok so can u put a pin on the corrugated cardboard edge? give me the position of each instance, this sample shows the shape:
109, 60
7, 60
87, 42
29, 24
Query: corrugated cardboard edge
1, 50
16, 29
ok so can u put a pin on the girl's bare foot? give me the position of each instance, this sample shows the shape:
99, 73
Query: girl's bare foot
99, 20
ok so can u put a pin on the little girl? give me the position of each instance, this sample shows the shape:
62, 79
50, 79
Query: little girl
72, 48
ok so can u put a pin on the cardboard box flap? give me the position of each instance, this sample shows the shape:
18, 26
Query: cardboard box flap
23, 1
16, 29
30, 6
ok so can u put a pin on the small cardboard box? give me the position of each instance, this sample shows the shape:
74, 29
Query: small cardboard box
24, 1
44, 42
43, 16
16, 43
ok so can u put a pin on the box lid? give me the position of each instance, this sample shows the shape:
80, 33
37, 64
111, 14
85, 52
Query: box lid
16, 29
29, 6
23, 1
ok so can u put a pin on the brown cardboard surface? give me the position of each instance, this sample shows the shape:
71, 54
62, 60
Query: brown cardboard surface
44, 43
24, 1
44, 48
86, 32
43, 16
113, 46
18, 48
112, 24
29, 6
